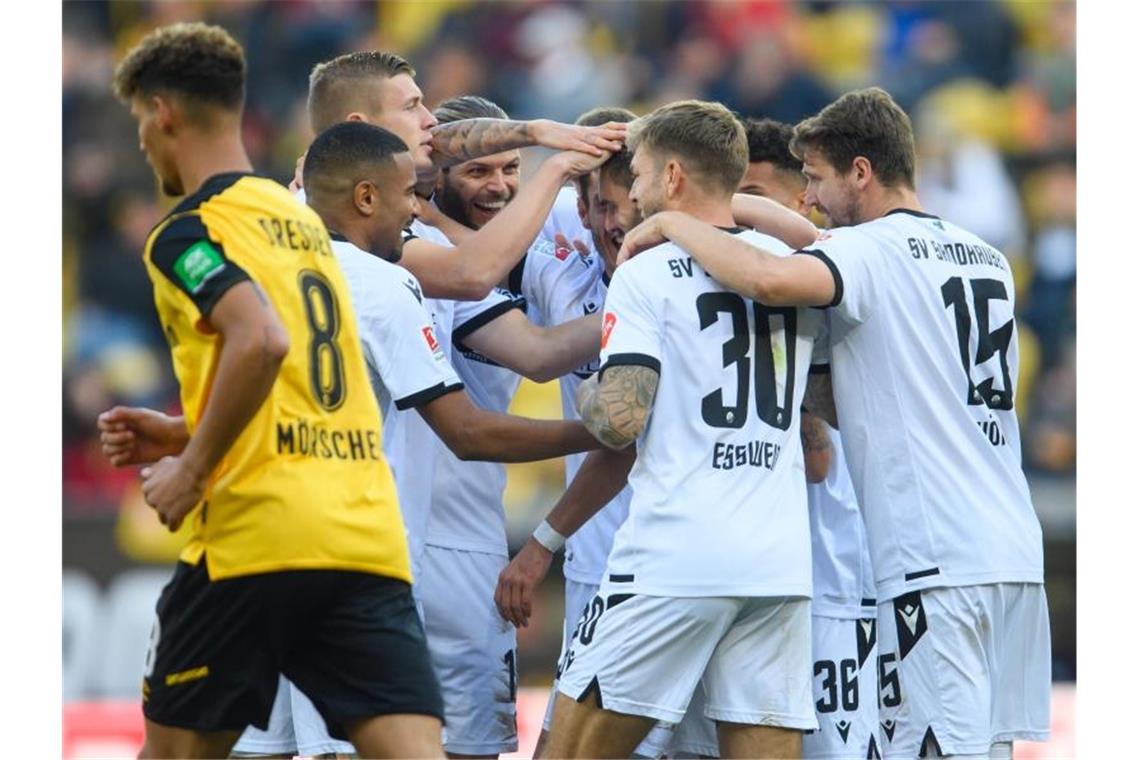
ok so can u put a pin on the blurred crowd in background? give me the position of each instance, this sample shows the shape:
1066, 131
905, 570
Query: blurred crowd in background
990, 86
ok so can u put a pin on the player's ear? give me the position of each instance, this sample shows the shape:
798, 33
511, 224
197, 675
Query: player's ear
356, 116
801, 202
365, 198
674, 178
165, 116
861, 170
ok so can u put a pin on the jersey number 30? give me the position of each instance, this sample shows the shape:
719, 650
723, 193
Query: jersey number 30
326, 365
772, 409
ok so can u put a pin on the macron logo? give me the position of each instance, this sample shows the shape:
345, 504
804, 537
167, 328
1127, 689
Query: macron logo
909, 614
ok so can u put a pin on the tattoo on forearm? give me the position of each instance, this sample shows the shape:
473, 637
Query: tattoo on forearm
468, 139
819, 400
616, 412
813, 435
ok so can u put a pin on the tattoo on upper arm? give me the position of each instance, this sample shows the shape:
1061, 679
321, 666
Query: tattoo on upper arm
819, 400
468, 139
616, 412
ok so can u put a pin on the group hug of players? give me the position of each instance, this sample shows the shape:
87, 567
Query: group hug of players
789, 528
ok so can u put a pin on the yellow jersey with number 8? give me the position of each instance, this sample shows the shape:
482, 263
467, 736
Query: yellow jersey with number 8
306, 485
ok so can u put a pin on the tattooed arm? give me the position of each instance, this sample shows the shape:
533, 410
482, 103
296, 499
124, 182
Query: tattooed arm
817, 447
464, 140
616, 408
819, 400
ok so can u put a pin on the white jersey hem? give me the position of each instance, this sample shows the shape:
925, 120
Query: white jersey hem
797, 591
893, 590
479, 547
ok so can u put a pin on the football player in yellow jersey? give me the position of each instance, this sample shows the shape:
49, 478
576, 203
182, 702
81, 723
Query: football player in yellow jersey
280, 445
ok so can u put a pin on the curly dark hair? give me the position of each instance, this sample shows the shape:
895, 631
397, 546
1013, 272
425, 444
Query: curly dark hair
197, 61
768, 140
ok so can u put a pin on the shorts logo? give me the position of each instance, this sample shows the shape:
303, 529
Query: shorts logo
197, 264
910, 621
194, 674
865, 639
844, 728
608, 327
429, 336
888, 729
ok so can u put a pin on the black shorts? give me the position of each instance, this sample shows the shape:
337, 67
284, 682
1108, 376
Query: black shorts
352, 642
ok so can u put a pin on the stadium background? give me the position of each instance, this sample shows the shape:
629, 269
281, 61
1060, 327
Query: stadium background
991, 87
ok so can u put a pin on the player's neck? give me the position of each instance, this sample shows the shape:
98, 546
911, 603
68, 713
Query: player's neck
203, 156
714, 211
889, 199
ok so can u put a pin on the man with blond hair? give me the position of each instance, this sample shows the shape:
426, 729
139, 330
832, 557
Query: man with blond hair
709, 578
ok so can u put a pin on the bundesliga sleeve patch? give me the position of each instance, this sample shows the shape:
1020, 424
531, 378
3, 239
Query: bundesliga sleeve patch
197, 265
432, 343
608, 327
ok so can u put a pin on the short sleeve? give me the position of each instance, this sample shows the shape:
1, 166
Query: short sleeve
851, 257
401, 345
539, 273
471, 315
193, 263
631, 329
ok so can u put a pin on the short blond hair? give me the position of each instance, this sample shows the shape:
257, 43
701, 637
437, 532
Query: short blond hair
707, 138
334, 86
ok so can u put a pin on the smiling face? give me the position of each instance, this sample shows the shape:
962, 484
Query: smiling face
155, 142
401, 110
834, 194
608, 213
473, 192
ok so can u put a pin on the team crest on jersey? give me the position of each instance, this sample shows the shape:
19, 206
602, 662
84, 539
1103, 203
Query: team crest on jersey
429, 336
608, 327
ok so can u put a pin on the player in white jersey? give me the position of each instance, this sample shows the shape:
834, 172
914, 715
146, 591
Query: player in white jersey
844, 650
924, 361
360, 180
380, 88
709, 578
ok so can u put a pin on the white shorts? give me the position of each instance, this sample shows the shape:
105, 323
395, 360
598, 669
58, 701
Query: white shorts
645, 655
295, 726
845, 687
472, 649
965, 666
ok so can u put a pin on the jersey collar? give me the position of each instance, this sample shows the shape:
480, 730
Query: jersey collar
911, 212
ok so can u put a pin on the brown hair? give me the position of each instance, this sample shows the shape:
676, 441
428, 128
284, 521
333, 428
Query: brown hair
334, 86
196, 61
866, 123
707, 137
617, 165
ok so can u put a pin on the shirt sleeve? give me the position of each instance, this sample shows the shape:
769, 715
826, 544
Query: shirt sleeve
851, 256
537, 273
471, 315
401, 344
195, 264
821, 349
631, 328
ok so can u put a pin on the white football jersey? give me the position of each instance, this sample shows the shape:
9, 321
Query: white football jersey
924, 362
843, 585
407, 364
719, 503
564, 219
467, 497
559, 284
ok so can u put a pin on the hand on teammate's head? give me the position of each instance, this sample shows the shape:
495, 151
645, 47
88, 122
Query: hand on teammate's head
593, 140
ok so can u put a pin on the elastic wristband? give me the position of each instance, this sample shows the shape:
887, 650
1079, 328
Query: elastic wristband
548, 537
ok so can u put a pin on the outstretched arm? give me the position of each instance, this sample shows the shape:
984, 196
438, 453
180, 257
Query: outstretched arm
483, 259
771, 218
476, 434
599, 480
753, 272
538, 353
468, 139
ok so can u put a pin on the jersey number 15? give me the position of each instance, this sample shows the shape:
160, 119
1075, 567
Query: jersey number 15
989, 343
